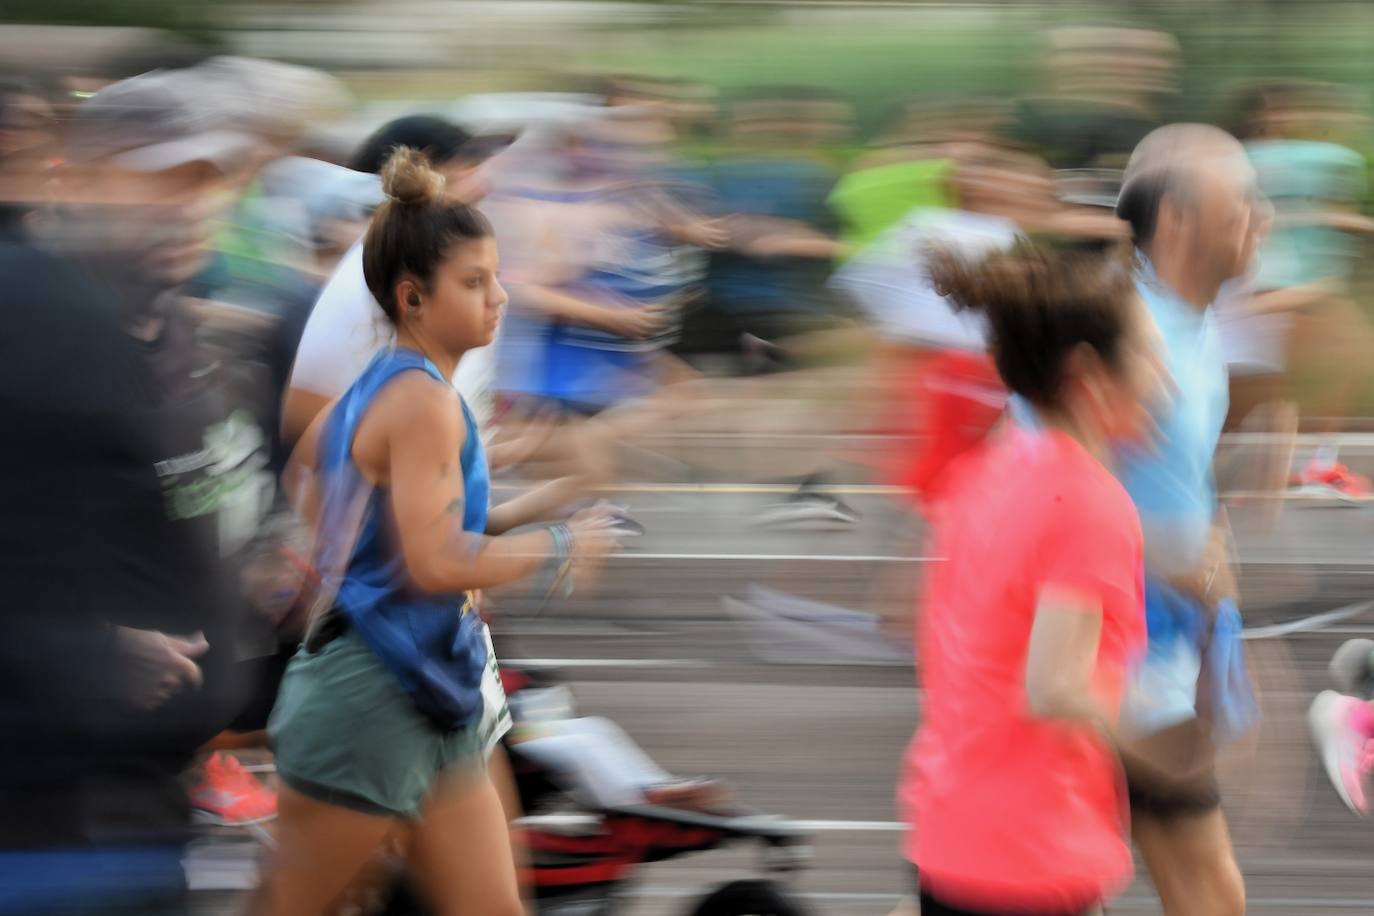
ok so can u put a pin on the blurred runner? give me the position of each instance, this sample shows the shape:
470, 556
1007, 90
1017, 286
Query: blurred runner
768, 311
910, 167
390, 712
135, 504
608, 295
938, 386
1190, 198
292, 217
1299, 332
1028, 630
345, 329
604, 262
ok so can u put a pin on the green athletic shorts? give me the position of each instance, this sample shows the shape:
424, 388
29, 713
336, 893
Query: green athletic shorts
345, 733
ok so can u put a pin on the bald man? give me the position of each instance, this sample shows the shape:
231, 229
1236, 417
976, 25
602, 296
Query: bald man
1189, 197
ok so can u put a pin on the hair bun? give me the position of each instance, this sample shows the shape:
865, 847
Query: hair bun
408, 179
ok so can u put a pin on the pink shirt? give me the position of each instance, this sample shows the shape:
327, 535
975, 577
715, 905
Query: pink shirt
1009, 810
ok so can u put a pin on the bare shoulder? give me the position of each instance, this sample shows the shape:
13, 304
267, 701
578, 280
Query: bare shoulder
413, 410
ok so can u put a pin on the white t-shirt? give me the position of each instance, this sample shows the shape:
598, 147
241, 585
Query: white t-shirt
888, 279
347, 328
1254, 343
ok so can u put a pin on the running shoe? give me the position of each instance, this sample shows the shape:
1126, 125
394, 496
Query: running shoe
1352, 668
1331, 483
229, 796
809, 510
1345, 752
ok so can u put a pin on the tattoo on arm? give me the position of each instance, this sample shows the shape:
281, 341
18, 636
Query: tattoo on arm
460, 541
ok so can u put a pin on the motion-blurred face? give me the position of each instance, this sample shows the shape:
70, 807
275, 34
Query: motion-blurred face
1118, 397
1214, 215
1009, 185
1226, 216
27, 127
617, 150
157, 224
1261, 221
461, 310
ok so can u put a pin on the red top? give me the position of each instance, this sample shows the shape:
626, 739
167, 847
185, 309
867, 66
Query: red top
1009, 810
948, 401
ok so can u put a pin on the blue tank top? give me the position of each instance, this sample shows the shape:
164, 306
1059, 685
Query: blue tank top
434, 644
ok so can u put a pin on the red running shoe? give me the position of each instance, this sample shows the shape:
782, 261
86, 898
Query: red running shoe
229, 796
1332, 481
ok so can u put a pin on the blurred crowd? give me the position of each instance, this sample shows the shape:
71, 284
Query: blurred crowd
181, 254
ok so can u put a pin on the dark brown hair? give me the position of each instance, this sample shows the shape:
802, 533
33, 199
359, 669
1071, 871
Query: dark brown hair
413, 231
1041, 303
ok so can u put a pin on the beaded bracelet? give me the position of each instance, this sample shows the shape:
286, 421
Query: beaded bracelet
561, 560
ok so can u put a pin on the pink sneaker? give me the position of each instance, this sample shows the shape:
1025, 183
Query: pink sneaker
1345, 752
230, 796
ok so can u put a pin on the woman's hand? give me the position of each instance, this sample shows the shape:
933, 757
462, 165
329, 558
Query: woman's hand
595, 537
639, 323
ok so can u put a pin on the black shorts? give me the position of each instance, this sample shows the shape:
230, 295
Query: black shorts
934, 906
716, 330
1153, 798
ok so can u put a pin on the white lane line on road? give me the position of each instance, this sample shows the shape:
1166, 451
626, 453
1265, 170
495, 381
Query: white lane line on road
753, 557
849, 826
1290, 904
607, 663
875, 489
1315, 622
674, 892
721, 489
821, 826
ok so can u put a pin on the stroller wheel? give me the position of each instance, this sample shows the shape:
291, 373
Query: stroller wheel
749, 898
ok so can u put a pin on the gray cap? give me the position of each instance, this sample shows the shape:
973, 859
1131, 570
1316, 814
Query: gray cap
259, 96
152, 123
326, 191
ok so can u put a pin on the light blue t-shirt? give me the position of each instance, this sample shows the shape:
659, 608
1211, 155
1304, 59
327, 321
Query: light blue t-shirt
1302, 177
1171, 482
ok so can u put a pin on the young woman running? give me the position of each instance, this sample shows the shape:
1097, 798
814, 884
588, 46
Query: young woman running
389, 712
1013, 791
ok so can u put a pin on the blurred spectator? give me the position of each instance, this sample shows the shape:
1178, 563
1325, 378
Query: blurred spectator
1103, 91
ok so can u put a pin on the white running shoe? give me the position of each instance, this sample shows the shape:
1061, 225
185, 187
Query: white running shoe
1344, 752
810, 511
